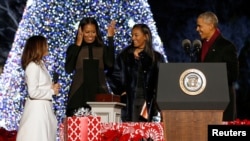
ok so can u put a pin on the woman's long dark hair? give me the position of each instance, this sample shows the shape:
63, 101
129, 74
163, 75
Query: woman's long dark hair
34, 50
90, 20
149, 42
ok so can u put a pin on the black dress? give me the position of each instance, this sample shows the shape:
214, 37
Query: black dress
88, 63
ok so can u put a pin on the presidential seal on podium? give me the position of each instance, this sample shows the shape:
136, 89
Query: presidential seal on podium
192, 82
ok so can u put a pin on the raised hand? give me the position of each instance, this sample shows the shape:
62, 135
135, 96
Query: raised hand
79, 37
111, 28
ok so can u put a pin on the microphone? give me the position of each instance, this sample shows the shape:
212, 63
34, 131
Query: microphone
55, 77
186, 44
197, 45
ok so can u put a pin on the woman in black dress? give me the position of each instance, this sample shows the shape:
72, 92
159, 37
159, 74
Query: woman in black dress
88, 58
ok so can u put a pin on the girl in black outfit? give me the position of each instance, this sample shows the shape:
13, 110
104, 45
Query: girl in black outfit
135, 73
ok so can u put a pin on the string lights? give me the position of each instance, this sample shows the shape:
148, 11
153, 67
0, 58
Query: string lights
57, 20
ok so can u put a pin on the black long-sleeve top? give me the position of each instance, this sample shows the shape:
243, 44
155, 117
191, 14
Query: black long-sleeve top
88, 63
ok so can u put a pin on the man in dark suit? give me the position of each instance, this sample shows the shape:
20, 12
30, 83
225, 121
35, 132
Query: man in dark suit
215, 48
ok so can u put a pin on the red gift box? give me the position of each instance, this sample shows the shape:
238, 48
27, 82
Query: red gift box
81, 129
132, 131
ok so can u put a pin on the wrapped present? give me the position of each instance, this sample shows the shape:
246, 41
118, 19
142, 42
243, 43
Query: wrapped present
62, 136
135, 131
81, 128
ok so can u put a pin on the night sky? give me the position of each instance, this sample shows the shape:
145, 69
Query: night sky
176, 21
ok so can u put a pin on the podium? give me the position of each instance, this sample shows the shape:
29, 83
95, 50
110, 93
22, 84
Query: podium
191, 96
108, 111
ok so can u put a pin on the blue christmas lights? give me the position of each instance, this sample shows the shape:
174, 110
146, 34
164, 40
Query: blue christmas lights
57, 20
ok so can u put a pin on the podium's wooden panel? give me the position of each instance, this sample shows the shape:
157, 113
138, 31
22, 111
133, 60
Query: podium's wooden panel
189, 125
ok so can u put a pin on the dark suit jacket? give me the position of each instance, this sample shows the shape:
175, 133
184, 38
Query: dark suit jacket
223, 50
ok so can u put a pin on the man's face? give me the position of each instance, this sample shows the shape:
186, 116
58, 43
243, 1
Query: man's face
204, 29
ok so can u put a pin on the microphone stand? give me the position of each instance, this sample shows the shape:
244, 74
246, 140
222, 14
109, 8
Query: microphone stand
193, 50
55, 80
192, 53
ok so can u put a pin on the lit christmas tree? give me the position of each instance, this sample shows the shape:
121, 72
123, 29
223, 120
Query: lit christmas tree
58, 21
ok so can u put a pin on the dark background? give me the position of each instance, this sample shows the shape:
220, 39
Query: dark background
11, 14
175, 21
